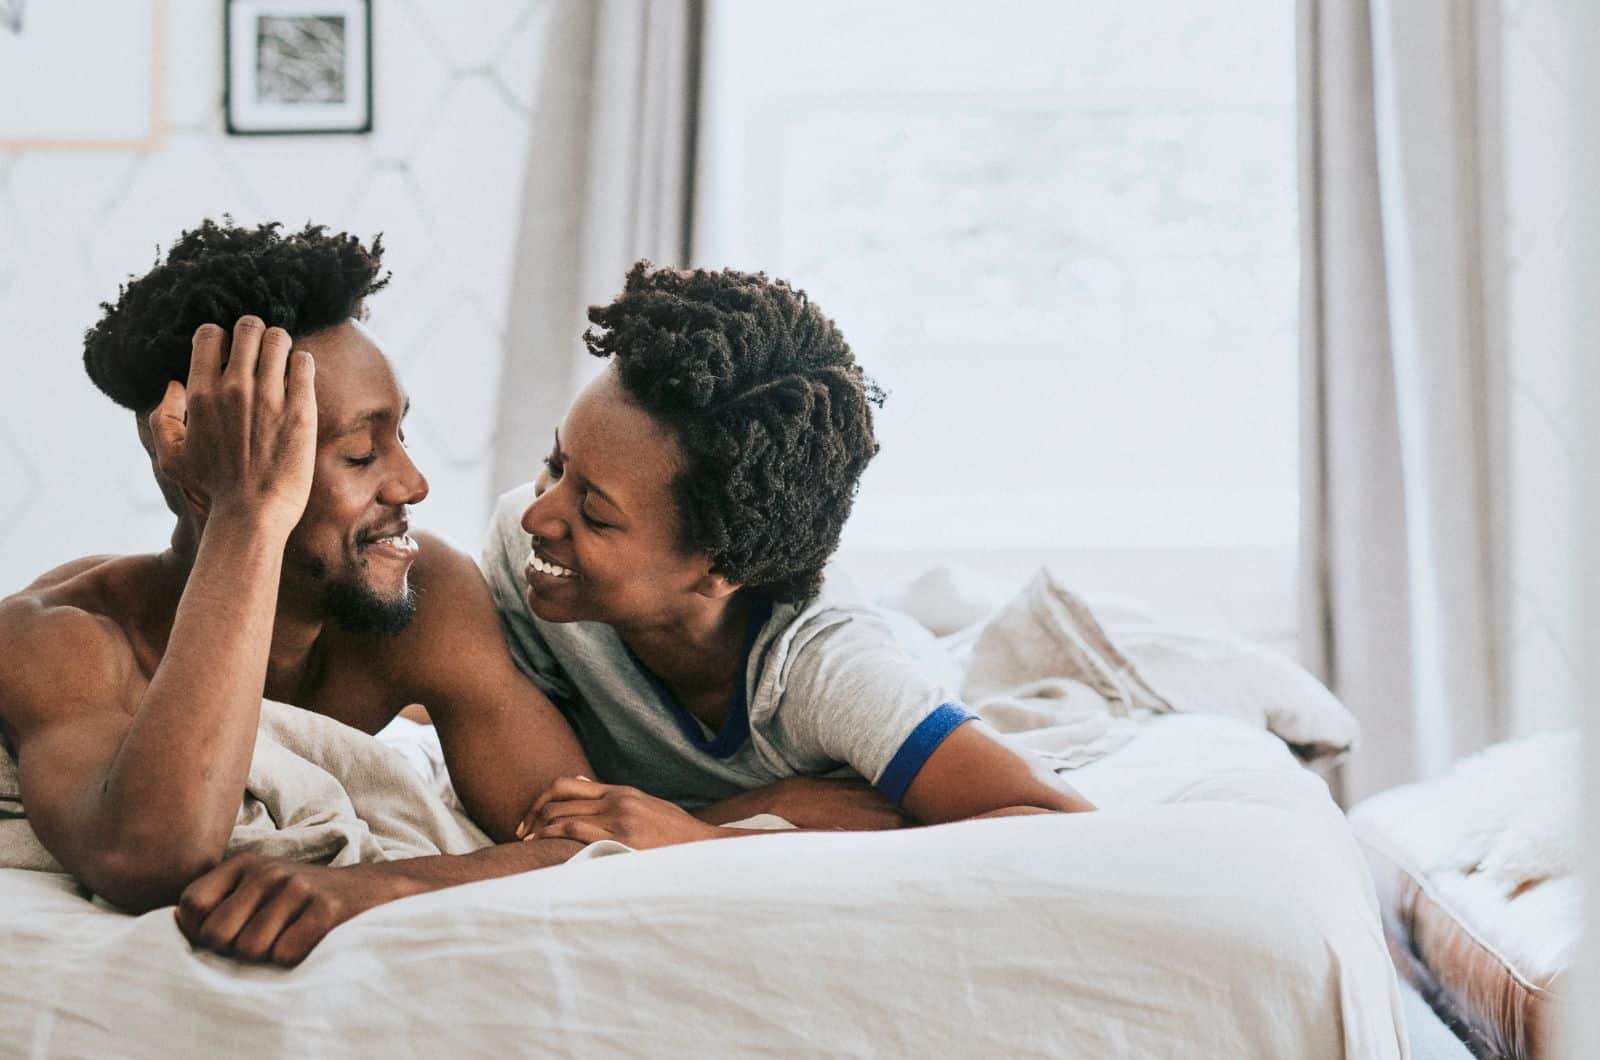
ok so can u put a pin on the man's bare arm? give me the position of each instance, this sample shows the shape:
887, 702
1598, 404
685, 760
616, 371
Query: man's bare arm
135, 790
271, 909
504, 741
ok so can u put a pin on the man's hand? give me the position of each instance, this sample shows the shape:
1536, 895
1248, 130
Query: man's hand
270, 909
586, 811
241, 439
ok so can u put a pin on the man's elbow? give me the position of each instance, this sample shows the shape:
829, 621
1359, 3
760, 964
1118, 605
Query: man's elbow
137, 879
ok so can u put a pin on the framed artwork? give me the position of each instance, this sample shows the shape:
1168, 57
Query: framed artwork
298, 66
79, 75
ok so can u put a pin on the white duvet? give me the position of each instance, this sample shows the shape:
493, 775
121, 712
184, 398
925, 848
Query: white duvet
1215, 907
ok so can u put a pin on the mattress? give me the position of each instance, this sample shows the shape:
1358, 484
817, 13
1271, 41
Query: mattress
1217, 906
1482, 916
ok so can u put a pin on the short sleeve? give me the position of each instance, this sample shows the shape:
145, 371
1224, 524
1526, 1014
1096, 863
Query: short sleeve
852, 690
505, 552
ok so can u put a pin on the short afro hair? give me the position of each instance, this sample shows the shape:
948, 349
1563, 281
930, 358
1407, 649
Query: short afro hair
302, 282
766, 400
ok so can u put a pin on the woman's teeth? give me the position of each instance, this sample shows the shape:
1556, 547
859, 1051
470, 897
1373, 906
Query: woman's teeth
553, 569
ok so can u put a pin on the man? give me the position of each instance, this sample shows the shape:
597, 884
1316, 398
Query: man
131, 686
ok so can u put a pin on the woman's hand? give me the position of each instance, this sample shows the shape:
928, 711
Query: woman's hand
587, 811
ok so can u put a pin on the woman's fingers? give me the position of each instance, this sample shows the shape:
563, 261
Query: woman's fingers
566, 788
558, 811
574, 828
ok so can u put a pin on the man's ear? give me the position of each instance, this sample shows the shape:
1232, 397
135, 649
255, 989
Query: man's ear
178, 499
714, 585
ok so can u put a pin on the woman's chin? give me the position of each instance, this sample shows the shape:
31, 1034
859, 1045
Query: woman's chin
547, 606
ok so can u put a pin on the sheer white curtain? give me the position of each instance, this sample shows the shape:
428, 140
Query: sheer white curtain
1583, 1025
608, 183
1403, 378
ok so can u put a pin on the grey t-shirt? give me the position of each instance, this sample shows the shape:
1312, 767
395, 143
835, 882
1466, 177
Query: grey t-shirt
828, 688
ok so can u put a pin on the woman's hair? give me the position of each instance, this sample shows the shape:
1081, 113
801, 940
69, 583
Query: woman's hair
302, 282
772, 413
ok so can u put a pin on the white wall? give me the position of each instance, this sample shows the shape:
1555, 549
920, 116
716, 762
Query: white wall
441, 176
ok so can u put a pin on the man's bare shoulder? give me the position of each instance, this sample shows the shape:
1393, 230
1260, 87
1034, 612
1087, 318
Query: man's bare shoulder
455, 621
72, 569
61, 648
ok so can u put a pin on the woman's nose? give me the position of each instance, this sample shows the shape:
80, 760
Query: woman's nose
542, 518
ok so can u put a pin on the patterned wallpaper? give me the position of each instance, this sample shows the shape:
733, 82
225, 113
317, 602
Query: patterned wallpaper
1548, 321
441, 176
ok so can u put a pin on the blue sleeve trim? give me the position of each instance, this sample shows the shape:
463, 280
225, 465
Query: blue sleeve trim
919, 746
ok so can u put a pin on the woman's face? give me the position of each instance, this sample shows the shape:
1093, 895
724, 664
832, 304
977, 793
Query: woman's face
604, 522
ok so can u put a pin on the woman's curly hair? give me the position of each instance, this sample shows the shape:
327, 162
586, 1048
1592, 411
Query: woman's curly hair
772, 413
302, 282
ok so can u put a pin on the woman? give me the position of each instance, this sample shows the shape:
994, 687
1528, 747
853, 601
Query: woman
661, 580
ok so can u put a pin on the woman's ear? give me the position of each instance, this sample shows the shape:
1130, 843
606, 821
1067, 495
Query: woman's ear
715, 586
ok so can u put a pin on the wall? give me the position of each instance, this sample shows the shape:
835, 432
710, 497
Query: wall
441, 176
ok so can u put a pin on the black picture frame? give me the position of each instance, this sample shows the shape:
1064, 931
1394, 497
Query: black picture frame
234, 117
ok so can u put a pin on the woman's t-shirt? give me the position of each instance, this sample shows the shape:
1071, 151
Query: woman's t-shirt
829, 688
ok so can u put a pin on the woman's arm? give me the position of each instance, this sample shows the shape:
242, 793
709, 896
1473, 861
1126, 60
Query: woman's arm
973, 774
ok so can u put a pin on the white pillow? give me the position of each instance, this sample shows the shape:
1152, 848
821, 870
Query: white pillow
1214, 674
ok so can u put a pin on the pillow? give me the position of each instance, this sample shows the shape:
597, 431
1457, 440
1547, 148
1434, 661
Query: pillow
1201, 673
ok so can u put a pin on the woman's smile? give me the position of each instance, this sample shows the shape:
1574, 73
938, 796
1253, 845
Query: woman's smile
542, 569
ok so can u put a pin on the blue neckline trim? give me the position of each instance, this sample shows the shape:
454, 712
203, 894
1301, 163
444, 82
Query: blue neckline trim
907, 762
735, 729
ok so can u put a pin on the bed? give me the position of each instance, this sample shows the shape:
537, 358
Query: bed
1216, 906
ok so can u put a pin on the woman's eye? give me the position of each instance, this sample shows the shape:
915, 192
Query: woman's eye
592, 522
361, 461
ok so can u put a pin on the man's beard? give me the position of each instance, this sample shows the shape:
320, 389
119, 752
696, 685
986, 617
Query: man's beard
356, 609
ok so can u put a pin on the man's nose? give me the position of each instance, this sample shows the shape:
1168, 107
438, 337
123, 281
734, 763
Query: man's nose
407, 485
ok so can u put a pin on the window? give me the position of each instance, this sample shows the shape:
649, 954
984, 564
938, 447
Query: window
1063, 235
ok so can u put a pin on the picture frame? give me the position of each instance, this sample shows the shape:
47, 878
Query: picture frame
298, 67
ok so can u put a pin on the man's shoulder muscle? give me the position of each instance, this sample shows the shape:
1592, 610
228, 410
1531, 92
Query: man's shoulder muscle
59, 658
454, 623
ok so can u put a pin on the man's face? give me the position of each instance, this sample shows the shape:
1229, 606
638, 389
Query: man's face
352, 548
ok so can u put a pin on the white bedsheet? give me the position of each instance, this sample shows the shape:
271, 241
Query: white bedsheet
1216, 907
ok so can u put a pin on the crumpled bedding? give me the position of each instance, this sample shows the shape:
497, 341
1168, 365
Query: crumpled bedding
318, 791
1215, 907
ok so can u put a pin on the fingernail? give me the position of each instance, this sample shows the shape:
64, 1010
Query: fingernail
520, 829
582, 777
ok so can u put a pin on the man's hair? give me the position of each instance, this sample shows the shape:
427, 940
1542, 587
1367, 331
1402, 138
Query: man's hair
766, 400
302, 282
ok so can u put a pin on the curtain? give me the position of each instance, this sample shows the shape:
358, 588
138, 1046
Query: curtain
609, 182
1404, 540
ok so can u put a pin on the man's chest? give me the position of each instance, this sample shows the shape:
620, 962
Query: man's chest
353, 692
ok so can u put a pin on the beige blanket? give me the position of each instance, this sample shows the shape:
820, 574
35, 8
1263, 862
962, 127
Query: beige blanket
318, 791
1044, 672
